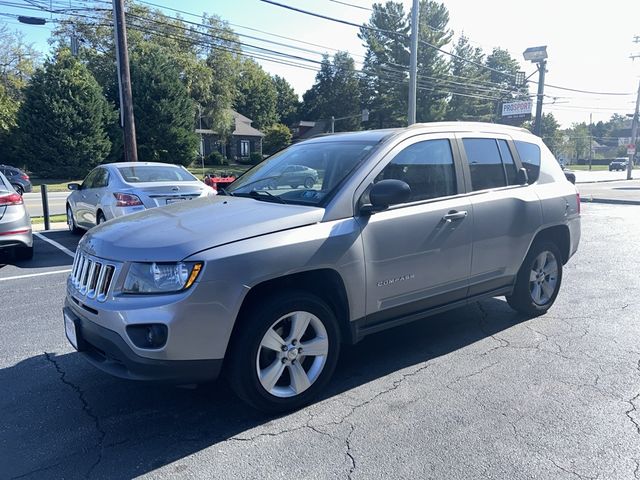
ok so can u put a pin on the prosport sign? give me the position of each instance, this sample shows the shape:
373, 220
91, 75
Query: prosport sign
517, 109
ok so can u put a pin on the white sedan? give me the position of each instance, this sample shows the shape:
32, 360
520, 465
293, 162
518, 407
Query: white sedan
117, 189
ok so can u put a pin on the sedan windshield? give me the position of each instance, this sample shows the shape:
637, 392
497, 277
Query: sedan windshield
155, 173
304, 173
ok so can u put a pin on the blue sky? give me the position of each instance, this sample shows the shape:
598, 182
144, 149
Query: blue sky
589, 42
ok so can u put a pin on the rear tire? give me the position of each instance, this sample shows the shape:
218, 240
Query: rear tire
538, 281
268, 367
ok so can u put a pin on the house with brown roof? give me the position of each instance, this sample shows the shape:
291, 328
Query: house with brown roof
243, 141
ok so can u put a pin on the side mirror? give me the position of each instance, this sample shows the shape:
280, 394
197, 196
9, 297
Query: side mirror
522, 177
73, 186
386, 193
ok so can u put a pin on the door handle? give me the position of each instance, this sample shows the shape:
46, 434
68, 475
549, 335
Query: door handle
454, 215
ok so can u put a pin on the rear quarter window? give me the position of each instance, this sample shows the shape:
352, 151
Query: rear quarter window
530, 157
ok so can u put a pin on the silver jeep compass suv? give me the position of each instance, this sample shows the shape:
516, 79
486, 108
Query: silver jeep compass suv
266, 282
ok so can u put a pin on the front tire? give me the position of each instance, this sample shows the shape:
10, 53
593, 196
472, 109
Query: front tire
19, 190
284, 352
538, 281
309, 182
71, 222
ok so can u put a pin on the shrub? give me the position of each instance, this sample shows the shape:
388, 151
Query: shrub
215, 158
255, 158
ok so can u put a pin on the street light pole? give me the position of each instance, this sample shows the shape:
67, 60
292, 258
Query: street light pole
413, 64
124, 82
537, 127
634, 134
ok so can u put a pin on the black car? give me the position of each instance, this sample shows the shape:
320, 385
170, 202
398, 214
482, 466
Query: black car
618, 164
18, 179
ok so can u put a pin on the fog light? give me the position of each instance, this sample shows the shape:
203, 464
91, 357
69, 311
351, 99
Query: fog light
152, 335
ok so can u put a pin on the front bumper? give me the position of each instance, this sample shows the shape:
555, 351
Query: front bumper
107, 350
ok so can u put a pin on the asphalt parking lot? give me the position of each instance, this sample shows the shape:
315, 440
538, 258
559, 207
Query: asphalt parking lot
478, 392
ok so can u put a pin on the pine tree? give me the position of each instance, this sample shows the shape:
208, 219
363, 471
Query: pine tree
62, 122
335, 93
287, 104
164, 112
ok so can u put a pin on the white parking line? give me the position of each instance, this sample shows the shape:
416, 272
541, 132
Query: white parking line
55, 244
34, 275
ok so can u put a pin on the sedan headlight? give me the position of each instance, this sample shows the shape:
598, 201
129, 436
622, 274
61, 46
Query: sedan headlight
161, 277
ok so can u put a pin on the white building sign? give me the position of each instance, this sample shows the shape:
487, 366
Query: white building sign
517, 109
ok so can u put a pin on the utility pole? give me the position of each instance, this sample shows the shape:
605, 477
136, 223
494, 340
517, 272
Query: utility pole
124, 82
537, 127
590, 140
634, 134
413, 65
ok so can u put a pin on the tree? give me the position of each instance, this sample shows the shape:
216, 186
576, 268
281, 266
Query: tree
551, 134
474, 102
257, 96
334, 93
503, 70
164, 112
276, 137
433, 69
383, 86
18, 61
62, 122
287, 103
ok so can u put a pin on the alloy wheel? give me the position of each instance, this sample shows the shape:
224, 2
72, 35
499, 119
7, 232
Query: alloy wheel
292, 354
543, 278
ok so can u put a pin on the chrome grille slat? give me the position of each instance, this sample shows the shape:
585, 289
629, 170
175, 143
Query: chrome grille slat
91, 277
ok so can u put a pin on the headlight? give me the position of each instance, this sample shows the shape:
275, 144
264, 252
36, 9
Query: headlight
161, 277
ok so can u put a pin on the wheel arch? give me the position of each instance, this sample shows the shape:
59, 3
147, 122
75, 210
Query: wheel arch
326, 283
559, 235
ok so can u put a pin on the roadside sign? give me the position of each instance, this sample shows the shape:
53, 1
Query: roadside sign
517, 112
631, 149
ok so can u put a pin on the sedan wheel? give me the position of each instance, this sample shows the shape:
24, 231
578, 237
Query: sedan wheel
309, 182
284, 351
71, 222
19, 190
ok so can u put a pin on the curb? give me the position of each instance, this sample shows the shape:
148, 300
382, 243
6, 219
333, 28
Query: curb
611, 201
607, 181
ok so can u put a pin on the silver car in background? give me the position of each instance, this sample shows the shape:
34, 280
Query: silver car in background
118, 189
15, 223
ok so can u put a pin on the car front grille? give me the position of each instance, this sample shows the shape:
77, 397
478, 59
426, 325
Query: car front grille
92, 277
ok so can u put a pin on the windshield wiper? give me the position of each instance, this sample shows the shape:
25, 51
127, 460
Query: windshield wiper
257, 195
225, 192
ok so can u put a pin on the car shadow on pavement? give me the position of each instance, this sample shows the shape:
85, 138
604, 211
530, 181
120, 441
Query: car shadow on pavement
62, 418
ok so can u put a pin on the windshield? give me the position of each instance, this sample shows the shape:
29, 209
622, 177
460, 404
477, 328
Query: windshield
304, 173
155, 173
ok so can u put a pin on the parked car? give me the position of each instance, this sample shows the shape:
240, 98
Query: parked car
18, 179
399, 225
293, 176
570, 174
15, 223
118, 189
618, 164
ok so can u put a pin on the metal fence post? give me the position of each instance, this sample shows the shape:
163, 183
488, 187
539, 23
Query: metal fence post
45, 206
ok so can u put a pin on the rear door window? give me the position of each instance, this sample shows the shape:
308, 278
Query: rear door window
530, 157
507, 162
485, 163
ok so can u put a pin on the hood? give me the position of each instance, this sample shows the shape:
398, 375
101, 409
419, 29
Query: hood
174, 232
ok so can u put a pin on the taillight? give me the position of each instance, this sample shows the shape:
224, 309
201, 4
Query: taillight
24, 177
11, 199
127, 200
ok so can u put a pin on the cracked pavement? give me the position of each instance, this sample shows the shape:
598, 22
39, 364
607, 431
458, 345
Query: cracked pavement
479, 392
